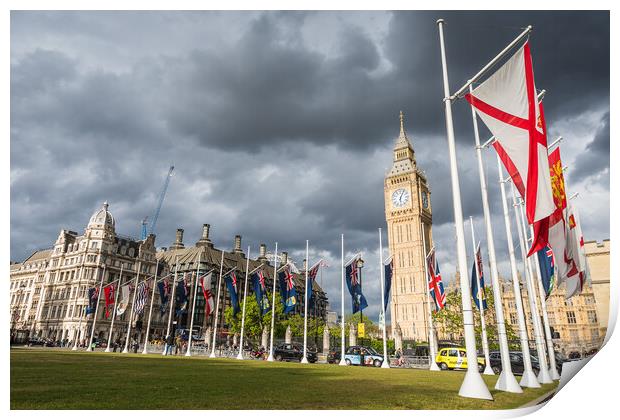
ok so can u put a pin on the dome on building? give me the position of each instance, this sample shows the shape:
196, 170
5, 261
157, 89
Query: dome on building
102, 218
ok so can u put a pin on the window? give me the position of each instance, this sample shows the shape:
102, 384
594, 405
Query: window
513, 319
592, 317
574, 335
570, 315
453, 353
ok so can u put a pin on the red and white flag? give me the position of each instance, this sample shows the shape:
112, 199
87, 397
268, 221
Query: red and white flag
507, 103
206, 292
576, 251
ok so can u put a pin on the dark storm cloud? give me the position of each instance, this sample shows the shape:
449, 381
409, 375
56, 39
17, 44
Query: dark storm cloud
278, 132
595, 157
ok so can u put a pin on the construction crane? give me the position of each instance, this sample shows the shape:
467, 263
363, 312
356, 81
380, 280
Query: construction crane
148, 230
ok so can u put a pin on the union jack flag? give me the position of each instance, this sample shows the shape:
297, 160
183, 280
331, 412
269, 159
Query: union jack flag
354, 280
233, 276
288, 278
261, 279
435, 284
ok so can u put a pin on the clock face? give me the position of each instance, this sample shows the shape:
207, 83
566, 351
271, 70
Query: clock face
400, 197
424, 199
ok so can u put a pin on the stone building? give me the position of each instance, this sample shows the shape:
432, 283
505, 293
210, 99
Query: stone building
204, 257
597, 257
49, 290
574, 322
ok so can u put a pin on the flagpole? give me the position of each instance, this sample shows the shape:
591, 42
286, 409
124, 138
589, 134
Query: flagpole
385, 364
217, 308
553, 371
304, 359
273, 303
245, 295
485, 342
543, 374
133, 304
342, 362
528, 379
431, 330
543, 308
188, 353
92, 331
473, 385
171, 300
506, 381
118, 287
148, 324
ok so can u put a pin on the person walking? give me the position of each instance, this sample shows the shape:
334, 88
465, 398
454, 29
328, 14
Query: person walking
169, 343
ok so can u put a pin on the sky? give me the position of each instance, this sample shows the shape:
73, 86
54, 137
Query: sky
281, 125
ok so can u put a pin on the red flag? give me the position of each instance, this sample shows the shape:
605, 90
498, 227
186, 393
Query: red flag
206, 292
507, 103
108, 293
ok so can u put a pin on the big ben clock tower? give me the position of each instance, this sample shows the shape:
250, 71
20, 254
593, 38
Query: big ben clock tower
407, 212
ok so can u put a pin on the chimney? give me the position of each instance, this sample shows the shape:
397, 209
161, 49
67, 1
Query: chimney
237, 248
262, 253
204, 240
284, 257
178, 243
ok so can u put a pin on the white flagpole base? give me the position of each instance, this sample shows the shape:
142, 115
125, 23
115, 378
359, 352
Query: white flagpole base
304, 360
125, 350
270, 357
144, 351
212, 355
474, 387
554, 374
434, 367
188, 354
342, 363
107, 350
544, 377
385, 364
163, 353
488, 371
528, 380
239, 356
74, 348
508, 383
89, 349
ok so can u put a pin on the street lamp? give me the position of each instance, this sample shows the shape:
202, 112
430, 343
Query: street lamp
360, 265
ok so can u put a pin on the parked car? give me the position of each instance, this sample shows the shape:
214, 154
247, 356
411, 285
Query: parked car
333, 356
516, 362
293, 351
365, 356
37, 342
455, 358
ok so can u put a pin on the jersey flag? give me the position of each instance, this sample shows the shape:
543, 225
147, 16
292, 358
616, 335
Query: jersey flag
507, 103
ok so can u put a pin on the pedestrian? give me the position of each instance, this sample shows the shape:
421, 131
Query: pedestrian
134, 345
169, 343
114, 346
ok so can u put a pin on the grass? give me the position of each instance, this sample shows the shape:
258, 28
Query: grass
48, 379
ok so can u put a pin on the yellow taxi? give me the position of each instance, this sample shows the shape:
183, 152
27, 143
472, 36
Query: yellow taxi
455, 358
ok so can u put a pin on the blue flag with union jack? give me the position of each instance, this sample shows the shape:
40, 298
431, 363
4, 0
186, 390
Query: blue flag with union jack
388, 266
164, 293
547, 269
288, 294
358, 300
93, 297
477, 286
233, 289
260, 291
435, 284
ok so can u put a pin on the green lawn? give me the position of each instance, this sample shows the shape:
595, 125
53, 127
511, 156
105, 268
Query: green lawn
48, 379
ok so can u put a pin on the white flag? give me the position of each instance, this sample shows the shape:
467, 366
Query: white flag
576, 251
124, 302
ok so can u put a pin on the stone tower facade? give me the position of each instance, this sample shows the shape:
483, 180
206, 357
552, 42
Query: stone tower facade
407, 211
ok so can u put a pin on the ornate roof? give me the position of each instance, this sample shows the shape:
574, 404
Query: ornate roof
102, 218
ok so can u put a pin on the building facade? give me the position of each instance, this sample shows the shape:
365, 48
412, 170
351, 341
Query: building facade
408, 212
597, 257
204, 257
49, 290
574, 322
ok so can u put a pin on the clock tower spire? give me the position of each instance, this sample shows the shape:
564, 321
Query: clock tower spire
407, 212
